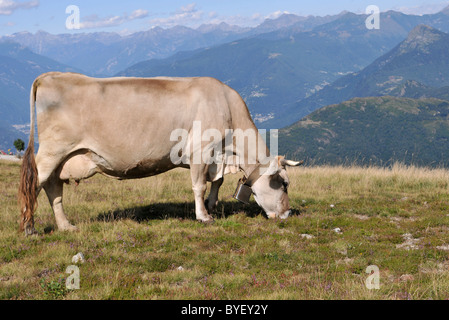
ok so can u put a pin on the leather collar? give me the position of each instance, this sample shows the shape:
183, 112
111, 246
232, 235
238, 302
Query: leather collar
253, 177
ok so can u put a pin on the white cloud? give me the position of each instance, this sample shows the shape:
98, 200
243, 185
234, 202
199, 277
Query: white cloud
247, 21
9, 24
93, 21
7, 7
138, 14
424, 9
191, 16
186, 16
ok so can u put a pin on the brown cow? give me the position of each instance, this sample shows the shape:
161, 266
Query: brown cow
122, 127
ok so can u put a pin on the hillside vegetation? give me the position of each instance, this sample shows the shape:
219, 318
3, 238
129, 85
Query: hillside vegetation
376, 130
140, 239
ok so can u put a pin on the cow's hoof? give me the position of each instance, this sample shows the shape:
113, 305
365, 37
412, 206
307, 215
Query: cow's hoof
207, 220
271, 215
69, 228
28, 227
209, 206
30, 231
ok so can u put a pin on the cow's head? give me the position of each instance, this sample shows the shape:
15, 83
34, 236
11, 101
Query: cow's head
270, 190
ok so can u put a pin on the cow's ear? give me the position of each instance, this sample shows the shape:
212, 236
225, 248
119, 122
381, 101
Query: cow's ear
275, 167
280, 161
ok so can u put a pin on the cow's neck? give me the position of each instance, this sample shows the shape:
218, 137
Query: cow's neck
252, 175
253, 162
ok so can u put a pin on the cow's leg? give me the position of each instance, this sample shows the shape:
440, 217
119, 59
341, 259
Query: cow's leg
54, 187
199, 186
212, 200
44, 167
47, 162
47, 166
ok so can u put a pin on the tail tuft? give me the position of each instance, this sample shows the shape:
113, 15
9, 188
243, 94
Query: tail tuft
28, 191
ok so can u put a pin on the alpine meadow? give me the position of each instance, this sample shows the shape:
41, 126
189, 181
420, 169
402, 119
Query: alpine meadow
357, 100
140, 239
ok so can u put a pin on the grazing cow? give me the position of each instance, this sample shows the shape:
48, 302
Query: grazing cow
122, 128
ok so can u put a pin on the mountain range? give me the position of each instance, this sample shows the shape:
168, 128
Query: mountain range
19, 66
105, 54
281, 73
285, 68
423, 57
395, 109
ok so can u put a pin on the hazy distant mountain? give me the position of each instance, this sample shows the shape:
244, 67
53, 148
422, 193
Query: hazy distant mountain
284, 68
8, 135
19, 66
416, 90
422, 57
106, 53
373, 130
271, 74
273, 71
292, 20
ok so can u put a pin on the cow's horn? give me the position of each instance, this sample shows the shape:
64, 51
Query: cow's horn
291, 163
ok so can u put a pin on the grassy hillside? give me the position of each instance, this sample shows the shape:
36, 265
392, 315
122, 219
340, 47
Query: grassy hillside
378, 130
416, 90
140, 240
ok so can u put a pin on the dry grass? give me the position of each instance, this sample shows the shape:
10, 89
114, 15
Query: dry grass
137, 234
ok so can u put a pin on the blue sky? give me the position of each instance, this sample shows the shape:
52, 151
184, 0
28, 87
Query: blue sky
137, 15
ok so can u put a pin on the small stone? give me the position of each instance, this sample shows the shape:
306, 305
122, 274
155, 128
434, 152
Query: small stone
337, 230
306, 236
406, 277
78, 258
180, 268
409, 243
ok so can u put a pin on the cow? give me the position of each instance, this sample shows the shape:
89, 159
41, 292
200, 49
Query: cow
121, 127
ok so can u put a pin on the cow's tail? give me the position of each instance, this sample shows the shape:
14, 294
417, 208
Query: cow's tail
28, 175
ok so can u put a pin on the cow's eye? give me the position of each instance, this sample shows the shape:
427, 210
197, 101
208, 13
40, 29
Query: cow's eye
285, 184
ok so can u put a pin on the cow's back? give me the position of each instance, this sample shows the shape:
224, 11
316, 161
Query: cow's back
128, 121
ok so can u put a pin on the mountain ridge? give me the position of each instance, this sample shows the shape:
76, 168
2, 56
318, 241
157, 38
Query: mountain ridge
110, 53
372, 131
274, 71
423, 57
19, 66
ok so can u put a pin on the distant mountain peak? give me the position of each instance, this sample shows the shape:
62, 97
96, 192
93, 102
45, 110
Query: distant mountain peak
283, 21
286, 16
409, 88
222, 26
445, 10
421, 29
420, 38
